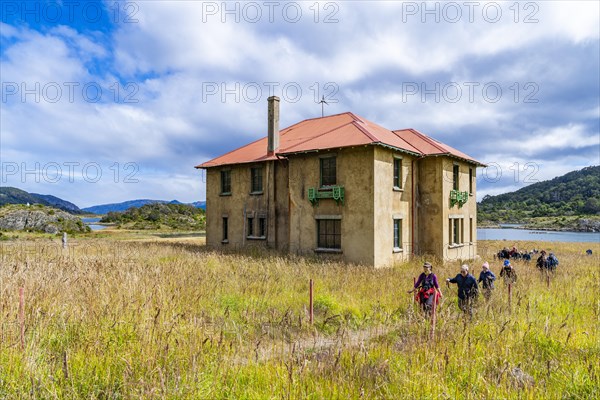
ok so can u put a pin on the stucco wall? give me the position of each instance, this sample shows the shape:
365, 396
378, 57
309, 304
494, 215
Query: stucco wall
240, 204
468, 249
391, 203
430, 207
355, 172
280, 225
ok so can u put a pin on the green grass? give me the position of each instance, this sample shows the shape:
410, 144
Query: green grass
144, 317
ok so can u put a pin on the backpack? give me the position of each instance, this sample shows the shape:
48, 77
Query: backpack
552, 261
427, 283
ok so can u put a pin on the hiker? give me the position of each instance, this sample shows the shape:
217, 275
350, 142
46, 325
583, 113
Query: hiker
504, 253
588, 252
552, 262
514, 253
428, 288
467, 289
508, 272
486, 278
542, 261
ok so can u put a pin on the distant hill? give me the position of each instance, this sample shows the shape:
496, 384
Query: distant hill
576, 193
59, 203
158, 216
116, 207
11, 195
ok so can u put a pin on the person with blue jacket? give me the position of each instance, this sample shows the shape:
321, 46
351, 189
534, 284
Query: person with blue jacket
486, 278
467, 289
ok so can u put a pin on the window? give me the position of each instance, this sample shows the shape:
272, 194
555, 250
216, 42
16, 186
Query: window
329, 233
225, 229
328, 171
455, 231
262, 227
250, 226
226, 182
471, 178
256, 180
397, 234
397, 173
455, 177
471, 231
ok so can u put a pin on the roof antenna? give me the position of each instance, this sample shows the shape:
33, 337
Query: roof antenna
323, 102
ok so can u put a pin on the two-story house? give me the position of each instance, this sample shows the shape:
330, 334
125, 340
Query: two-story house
346, 187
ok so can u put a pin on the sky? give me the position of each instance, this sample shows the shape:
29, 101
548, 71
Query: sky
107, 101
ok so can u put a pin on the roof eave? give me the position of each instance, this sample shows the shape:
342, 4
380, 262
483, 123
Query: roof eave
204, 166
470, 161
412, 153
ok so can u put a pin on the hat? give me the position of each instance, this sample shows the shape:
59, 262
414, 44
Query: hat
464, 267
506, 262
486, 264
427, 265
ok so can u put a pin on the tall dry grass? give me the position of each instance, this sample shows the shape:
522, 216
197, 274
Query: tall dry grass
111, 319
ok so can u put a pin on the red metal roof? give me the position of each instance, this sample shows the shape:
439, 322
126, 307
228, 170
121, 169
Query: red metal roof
332, 132
428, 146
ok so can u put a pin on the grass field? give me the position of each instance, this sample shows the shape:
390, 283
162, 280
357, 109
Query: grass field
140, 316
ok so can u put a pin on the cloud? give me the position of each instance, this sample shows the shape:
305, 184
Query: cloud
179, 85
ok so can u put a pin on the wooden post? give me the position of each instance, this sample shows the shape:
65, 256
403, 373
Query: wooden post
310, 303
509, 294
414, 283
433, 315
22, 316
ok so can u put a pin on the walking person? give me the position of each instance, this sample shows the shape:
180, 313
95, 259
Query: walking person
542, 261
427, 288
467, 289
508, 273
552, 262
486, 278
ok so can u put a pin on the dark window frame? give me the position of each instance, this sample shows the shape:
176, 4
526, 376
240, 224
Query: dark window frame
262, 227
250, 226
256, 179
329, 234
397, 173
455, 176
471, 230
225, 229
471, 177
398, 233
456, 231
328, 171
226, 182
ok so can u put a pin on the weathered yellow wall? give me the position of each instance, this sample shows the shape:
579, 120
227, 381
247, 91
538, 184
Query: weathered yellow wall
430, 207
390, 203
354, 169
435, 184
241, 204
468, 249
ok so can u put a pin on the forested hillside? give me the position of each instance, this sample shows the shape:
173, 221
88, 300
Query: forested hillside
576, 193
11, 195
159, 215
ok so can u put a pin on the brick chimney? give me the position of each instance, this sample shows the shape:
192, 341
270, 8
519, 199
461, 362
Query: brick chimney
273, 125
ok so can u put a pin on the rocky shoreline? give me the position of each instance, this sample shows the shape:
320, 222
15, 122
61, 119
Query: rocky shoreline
40, 219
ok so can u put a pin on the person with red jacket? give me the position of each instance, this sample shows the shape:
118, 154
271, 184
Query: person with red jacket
427, 288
